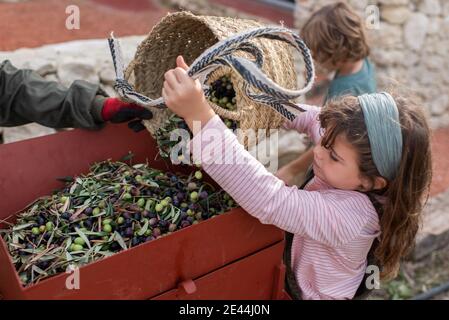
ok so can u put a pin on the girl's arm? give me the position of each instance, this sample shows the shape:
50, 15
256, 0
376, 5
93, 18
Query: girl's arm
306, 122
333, 217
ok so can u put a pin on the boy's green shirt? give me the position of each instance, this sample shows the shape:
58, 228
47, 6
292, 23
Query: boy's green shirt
363, 81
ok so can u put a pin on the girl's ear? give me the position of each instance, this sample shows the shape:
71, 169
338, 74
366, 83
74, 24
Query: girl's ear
379, 183
366, 185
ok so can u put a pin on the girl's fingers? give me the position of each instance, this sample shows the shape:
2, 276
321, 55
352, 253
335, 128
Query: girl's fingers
168, 85
181, 75
181, 63
171, 79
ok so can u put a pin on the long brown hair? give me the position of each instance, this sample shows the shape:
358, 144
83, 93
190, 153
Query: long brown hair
335, 34
405, 196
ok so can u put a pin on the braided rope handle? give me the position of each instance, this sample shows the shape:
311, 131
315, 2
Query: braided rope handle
220, 54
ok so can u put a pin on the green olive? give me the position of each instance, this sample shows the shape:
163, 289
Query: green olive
77, 247
198, 175
35, 230
193, 195
127, 196
80, 241
96, 211
164, 203
42, 229
141, 202
106, 221
120, 220
107, 228
159, 207
49, 226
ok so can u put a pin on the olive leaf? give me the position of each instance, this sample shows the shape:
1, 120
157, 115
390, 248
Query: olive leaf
83, 236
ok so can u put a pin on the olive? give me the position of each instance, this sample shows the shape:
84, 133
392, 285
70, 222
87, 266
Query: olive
185, 223
40, 221
114, 246
141, 202
44, 264
198, 175
42, 229
198, 216
76, 247
102, 204
148, 232
189, 219
174, 179
204, 194
153, 221
107, 228
127, 216
184, 205
129, 232
80, 241
164, 203
106, 221
191, 186
172, 227
194, 196
190, 212
135, 241
35, 230
96, 211
205, 215
150, 238
163, 224
137, 216
66, 215
63, 199
159, 207
120, 220
127, 196
156, 232
152, 215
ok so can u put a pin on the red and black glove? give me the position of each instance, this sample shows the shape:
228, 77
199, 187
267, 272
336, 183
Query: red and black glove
117, 111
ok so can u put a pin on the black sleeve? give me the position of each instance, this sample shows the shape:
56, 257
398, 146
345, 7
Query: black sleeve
27, 97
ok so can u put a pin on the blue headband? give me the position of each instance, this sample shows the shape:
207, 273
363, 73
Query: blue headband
384, 131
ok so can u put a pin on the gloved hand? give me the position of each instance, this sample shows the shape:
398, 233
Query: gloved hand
117, 111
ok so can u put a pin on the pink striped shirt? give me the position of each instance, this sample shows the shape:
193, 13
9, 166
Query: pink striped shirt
333, 229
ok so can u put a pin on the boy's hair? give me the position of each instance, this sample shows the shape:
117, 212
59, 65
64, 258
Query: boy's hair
334, 34
400, 215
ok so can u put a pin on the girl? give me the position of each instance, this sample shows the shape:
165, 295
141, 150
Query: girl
372, 170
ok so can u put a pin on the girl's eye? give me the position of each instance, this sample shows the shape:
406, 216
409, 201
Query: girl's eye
333, 157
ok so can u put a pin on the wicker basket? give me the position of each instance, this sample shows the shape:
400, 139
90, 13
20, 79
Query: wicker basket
183, 33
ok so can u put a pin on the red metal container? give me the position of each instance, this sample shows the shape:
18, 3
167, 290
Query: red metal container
231, 256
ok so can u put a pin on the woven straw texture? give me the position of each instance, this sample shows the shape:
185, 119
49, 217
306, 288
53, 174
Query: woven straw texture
183, 33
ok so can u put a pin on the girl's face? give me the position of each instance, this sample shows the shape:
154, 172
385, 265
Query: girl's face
338, 166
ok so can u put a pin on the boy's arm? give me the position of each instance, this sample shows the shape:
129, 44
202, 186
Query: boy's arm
288, 172
27, 97
326, 217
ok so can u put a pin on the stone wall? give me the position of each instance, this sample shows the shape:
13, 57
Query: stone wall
410, 46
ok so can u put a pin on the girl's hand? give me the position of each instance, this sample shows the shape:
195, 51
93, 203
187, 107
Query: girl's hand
184, 96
